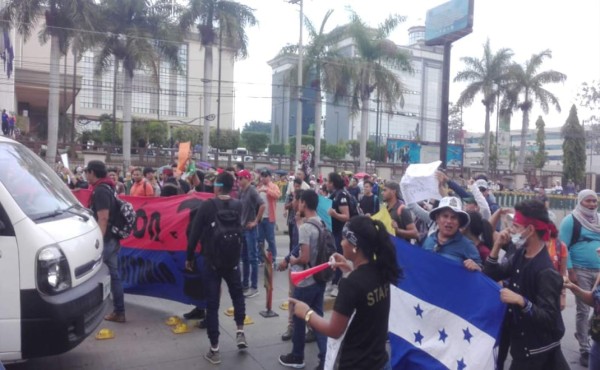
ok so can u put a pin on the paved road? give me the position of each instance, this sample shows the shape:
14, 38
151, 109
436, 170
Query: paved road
145, 342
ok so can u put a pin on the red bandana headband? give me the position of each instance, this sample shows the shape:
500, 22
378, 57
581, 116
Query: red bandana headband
539, 225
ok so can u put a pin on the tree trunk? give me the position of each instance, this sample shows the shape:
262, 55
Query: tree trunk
127, 92
53, 100
208, 75
486, 142
318, 125
364, 134
524, 132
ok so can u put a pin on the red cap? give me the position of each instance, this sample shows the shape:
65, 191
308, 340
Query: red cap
244, 174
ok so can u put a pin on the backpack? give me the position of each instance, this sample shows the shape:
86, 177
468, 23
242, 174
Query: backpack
325, 249
224, 245
121, 222
576, 231
353, 205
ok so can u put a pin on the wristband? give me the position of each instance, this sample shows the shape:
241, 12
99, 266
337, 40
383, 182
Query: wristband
307, 316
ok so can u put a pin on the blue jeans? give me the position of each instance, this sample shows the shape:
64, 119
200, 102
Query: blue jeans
313, 296
250, 259
594, 356
266, 230
212, 292
111, 259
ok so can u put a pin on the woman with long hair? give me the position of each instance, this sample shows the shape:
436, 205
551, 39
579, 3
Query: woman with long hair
362, 307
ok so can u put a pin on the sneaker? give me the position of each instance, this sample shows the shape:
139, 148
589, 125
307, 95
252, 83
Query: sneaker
291, 360
240, 339
115, 317
334, 291
288, 334
195, 314
245, 290
310, 337
201, 324
213, 357
252, 292
584, 359
328, 287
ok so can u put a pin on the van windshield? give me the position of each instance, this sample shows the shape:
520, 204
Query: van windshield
38, 191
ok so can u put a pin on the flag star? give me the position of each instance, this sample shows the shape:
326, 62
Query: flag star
468, 335
443, 335
419, 310
418, 337
461, 364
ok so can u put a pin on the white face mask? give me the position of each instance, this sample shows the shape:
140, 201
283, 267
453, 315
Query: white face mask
518, 240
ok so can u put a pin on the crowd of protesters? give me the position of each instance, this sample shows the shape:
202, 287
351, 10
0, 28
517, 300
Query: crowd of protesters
533, 259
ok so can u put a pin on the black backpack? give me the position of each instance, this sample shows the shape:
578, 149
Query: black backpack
353, 205
122, 221
223, 247
325, 249
576, 234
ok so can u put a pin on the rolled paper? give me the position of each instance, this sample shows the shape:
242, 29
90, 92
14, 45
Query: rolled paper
298, 276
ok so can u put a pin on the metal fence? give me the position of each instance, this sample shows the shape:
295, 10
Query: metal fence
559, 202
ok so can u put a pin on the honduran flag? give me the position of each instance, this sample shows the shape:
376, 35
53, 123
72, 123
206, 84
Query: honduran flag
442, 316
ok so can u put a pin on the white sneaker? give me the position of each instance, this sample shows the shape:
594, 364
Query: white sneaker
251, 293
328, 288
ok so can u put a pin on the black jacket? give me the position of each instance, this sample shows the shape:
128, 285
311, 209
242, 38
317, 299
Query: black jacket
538, 328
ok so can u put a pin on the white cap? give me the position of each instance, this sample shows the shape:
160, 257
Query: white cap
481, 183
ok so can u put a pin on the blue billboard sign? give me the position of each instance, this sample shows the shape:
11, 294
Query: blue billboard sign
406, 152
449, 22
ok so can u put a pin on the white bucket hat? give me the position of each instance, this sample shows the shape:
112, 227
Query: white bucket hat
455, 205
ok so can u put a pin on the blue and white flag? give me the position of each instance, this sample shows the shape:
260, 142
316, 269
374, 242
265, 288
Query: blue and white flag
442, 316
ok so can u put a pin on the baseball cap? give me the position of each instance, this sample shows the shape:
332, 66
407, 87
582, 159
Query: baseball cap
244, 174
265, 173
454, 204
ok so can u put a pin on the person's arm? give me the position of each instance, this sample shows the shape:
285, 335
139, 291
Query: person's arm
543, 309
334, 328
587, 296
103, 220
462, 193
303, 257
342, 216
420, 212
492, 268
411, 231
565, 234
195, 233
483, 205
273, 191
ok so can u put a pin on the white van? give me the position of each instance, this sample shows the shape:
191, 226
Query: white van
53, 284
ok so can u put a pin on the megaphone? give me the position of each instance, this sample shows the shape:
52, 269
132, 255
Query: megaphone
298, 276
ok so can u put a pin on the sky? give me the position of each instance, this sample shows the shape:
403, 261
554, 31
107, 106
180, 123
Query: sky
571, 30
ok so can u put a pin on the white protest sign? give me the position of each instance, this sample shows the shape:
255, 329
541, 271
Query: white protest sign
64, 158
419, 182
333, 347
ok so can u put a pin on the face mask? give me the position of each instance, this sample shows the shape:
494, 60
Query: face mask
518, 240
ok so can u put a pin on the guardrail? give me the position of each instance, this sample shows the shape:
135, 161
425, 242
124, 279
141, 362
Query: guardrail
510, 198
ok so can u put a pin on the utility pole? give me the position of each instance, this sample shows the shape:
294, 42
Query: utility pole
218, 144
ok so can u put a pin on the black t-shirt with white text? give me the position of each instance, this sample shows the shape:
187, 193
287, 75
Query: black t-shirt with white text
339, 199
365, 291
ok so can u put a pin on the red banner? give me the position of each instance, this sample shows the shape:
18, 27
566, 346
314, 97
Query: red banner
162, 223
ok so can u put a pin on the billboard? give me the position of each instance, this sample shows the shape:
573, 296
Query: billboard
448, 22
407, 152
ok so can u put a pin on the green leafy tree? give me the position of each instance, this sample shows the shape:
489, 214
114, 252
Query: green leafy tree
589, 98
139, 34
540, 156
336, 152
257, 126
526, 86
187, 133
574, 157
455, 124
277, 149
228, 139
376, 153
232, 19
62, 20
374, 53
484, 75
255, 142
353, 148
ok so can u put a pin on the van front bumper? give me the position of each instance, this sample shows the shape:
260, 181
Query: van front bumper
55, 324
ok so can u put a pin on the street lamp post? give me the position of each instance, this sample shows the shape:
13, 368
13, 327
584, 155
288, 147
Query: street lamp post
300, 84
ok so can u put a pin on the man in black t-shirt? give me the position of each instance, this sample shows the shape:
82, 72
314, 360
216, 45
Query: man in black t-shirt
212, 277
103, 205
340, 214
369, 202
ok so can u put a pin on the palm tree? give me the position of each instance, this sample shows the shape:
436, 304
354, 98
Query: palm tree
372, 51
486, 76
324, 69
527, 83
139, 34
64, 19
231, 18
